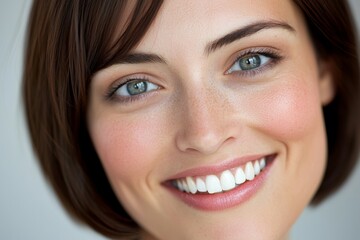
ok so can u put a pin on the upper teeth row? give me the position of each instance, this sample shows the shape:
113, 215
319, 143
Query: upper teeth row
228, 180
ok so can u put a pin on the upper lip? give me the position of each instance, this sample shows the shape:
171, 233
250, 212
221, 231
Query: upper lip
217, 168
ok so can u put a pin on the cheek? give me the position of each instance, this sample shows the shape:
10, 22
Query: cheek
126, 147
289, 110
292, 115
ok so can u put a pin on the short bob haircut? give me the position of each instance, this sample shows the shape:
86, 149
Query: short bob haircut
68, 41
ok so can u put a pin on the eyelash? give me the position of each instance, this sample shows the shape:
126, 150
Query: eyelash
274, 57
110, 95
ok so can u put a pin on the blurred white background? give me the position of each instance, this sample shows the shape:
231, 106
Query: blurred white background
28, 208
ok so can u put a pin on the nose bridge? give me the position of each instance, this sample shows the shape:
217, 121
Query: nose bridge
204, 121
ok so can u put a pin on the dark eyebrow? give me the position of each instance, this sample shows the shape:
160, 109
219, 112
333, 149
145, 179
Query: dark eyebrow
136, 58
245, 32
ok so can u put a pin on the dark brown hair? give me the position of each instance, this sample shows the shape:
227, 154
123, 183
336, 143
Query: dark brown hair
332, 29
68, 41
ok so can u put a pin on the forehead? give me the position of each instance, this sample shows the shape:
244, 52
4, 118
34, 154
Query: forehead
189, 23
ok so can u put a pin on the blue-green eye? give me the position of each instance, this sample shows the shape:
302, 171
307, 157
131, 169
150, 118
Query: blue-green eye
135, 87
249, 62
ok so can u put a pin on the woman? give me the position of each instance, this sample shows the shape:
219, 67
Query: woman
191, 119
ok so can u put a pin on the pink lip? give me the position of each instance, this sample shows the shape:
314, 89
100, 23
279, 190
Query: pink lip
207, 170
221, 201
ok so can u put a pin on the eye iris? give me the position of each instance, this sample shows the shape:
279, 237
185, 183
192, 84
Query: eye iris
250, 62
136, 87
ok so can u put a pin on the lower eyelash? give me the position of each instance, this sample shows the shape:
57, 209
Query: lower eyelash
128, 99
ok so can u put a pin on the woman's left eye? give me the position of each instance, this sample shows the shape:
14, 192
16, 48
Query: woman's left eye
135, 87
249, 62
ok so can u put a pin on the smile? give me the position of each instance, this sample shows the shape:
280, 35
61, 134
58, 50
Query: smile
225, 181
215, 188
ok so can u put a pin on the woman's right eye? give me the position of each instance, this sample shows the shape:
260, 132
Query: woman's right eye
135, 87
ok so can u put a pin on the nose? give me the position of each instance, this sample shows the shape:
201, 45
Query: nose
205, 121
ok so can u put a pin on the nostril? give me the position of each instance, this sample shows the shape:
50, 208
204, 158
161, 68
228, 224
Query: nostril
207, 143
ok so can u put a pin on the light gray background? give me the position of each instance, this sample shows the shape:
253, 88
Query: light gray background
28, 208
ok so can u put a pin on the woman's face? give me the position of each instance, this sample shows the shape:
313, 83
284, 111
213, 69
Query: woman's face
213, 91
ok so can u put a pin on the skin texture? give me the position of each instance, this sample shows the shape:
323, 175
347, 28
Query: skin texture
201, 115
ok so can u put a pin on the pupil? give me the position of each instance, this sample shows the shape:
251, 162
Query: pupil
249, 63
135, 88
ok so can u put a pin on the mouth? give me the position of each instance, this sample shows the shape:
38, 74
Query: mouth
225, 181
217, 190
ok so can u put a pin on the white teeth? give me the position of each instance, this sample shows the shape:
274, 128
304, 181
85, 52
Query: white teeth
180, 186
185, 186
227, 180
213, 184
240, 176
200, 184
191, 184
262, 163
257, 167
249, 171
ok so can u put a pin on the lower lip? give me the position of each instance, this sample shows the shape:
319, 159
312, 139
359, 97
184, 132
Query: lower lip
221, 201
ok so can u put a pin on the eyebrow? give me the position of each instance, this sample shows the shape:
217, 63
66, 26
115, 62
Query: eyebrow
137, 58
245, 32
